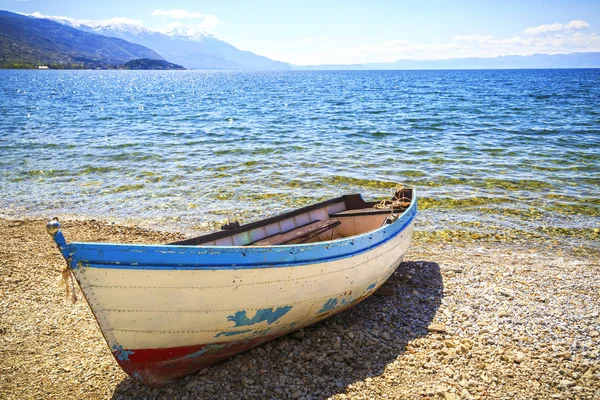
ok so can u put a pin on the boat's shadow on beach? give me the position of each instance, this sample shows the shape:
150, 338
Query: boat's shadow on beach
326, 358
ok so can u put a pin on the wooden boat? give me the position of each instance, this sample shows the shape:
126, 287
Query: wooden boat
169, 310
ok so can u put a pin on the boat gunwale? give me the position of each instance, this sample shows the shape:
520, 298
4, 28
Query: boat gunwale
246, 248
318, 252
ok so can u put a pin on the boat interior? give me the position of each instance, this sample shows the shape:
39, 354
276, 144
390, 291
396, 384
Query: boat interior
344, 216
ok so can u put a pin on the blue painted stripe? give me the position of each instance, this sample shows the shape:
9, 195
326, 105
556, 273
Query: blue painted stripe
173, 257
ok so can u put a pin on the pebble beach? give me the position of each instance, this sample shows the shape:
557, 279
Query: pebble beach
460, 319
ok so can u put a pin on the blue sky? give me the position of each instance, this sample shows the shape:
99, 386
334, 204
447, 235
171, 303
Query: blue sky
349, 31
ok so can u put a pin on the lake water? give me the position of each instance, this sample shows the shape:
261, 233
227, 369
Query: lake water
505, 154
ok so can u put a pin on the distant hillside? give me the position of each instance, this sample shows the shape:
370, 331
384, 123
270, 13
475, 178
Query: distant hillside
198, 52
573, 60
193, 50
145, 63
27, 41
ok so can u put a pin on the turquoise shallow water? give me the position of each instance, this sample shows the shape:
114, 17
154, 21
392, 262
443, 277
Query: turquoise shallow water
489, 151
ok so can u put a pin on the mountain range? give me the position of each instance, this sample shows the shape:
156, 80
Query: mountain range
197, 50
572, 60
26, 41
60, 41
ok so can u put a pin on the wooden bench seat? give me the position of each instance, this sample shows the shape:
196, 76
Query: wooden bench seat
304, 232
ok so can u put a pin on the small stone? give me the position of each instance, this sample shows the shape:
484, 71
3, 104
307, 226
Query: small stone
437, 328
299, 334
566, 383
503, 313
192, 384
297, 394
386, 336
440, 390
337, 343
385, 290
350, 335
268, 348
594, 333
449, 396
282, 345
572, 374
520, 357
589, 374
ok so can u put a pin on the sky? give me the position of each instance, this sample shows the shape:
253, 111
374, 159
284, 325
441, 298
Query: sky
311, 32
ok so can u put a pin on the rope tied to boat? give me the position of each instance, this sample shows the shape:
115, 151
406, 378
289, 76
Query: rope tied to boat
399, 200
66, 277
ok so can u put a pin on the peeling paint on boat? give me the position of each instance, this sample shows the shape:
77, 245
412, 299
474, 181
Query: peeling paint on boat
205, 349
121, 354
328, 306
232, 333
267, 314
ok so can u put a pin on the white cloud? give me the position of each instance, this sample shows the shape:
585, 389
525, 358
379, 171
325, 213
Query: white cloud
542, 29
91, 23
577, 24
208, 22
194, 31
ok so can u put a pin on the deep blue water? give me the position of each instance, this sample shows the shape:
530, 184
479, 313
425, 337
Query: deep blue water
487, 150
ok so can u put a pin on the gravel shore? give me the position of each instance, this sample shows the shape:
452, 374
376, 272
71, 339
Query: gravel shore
479, 320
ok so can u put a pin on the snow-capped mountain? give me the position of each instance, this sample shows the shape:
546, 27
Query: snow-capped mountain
190, 48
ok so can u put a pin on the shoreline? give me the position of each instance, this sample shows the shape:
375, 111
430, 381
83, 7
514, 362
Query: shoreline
516, 320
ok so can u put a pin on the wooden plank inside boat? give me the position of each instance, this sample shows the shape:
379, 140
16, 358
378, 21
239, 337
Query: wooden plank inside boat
304, 232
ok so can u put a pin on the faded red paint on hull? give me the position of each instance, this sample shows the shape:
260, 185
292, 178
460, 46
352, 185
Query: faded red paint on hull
159, 367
